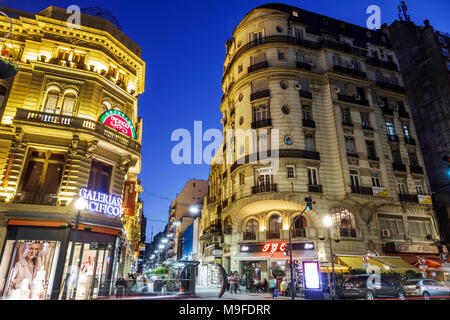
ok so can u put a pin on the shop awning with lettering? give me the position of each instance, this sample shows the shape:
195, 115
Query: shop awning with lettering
432, 262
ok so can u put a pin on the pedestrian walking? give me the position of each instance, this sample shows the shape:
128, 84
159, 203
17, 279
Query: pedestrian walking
121, 285
272, 285
238, 281
233, 283
283, 286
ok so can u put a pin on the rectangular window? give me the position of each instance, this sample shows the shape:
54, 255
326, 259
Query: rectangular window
371, 151
413, 159
260, 85
390, 128
354, 179
376, 180
257, 36
405, 130
419, 228
346, 116
241, 178
313, 177
260, 113
258, 58
100, 176
68, 105
396, 156
350, 144
51, 103
309, 142
306, 111
445, 52
290, 171
392, 228
365, 120
401, 184
280, 55
419, 187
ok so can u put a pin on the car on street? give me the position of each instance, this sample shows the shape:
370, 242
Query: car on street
426, 288
370, 287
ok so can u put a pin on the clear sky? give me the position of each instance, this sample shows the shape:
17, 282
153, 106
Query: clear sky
183, 44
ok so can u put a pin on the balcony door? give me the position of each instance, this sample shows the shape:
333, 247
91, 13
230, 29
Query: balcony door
264, 178
354, 179
257, 37
274, 226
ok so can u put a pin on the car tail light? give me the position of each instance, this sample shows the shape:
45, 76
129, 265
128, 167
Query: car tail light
418, 287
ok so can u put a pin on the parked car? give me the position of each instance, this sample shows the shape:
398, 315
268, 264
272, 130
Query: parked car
369, 287
426, 288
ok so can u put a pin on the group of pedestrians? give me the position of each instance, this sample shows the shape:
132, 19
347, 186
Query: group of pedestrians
130, 283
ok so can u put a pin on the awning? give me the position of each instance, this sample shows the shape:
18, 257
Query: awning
396, 263
433, 262
296, 254
355, 262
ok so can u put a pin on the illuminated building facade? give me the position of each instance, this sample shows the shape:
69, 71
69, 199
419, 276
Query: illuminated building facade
334, 93
69, 128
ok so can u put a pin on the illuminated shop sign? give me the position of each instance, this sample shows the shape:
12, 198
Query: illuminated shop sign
311, 275
104, 203
119, 121
273, 247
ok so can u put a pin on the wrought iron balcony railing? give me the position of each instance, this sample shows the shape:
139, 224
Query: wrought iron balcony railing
393, 138
260, 94
399, 167
382, 64
39, 198
309, 123
350, 71
410, 140
317, 188
262, 123
258, 66
408, 198
347, 232
249, 236
70, 123
305, 94
390, 86
265, 188
350, 99
416, 169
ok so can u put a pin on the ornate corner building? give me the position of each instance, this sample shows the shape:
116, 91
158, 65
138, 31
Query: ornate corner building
327, 99
69, 129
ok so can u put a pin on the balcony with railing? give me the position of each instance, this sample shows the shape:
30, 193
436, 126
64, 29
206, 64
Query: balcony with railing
272, 187
305, 94
416, 169
366, 126
350, 71
273, 234
392, 236
373, 157
347, 232
382, 64
390, 86
309, 123
352, 155
298, 153
39, 198
355, 100
393, 138
347, 123
258, 66
399, 167
213, 228
303, 65
317, 188
362, 190
70, 123
408, 198
262, 123
410, 141
260, 94
403, 114
299, 233
249, 236
387, 111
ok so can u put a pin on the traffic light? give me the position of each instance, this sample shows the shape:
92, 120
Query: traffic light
286, 250
309, 203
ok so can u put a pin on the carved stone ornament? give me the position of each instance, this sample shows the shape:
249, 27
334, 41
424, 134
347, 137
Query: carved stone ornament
91, 148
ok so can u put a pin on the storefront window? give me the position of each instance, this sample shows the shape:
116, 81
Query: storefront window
29, 267
274, 226
89, 270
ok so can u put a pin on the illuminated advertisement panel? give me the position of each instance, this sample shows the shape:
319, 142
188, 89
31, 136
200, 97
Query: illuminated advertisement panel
311, 275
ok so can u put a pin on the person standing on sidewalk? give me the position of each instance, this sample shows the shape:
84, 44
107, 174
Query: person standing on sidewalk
272, 285
238, 282
233, 283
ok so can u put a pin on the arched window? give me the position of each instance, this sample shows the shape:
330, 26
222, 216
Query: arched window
274, 227
251, 229
52, 101
299, 227
68, 105
343, 219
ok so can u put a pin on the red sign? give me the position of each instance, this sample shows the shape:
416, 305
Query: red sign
119, 121
444, 257
365, 258
129, 198
273, 247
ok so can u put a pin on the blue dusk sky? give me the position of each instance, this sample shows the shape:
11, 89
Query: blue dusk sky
183, 45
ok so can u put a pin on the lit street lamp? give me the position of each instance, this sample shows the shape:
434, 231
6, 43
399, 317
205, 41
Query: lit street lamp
80, 205
328, 222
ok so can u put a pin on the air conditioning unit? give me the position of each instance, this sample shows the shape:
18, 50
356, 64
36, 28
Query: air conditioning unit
385, 233
357, 97
298, 86
337, 89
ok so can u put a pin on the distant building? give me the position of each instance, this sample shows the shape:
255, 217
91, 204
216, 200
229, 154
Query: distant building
424, 60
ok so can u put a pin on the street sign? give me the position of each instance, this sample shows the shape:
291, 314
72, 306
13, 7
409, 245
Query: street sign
421, 261
444, 256
366, 265
365, 258
217, 252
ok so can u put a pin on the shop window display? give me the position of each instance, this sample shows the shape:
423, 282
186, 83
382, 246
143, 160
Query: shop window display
30, 268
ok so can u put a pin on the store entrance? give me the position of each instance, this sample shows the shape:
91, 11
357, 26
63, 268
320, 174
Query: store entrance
89, 272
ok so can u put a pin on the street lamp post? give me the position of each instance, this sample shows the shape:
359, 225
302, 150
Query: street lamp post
80, 204
290, 254
328, 222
